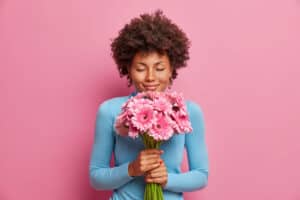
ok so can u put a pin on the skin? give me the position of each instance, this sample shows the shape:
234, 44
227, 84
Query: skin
150, 72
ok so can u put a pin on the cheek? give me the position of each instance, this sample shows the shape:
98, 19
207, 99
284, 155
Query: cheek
165, 78
137, 77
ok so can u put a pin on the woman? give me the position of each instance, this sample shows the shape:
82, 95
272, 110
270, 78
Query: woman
149, 51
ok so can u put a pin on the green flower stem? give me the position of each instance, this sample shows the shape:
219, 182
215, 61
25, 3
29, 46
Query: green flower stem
153, 191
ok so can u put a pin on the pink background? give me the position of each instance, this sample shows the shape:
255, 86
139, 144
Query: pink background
56, 69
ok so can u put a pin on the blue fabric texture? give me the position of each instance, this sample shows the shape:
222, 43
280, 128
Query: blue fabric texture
107, 142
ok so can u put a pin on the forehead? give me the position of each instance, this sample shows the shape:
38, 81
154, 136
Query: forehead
150, 56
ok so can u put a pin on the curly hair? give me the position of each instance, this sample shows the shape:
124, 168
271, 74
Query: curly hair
150, 33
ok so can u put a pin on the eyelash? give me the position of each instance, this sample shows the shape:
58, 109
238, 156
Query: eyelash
141, 70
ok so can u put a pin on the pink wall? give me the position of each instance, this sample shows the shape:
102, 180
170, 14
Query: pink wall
55, 69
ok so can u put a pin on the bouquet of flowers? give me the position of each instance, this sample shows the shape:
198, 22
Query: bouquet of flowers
156, 117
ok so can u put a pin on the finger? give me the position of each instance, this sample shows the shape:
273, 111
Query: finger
149, 167
159, 173
156, 180
156, 174
150, 157
122, 130
152, 151
159, 167
147, 160
145, 163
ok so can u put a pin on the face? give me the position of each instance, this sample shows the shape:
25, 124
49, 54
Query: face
150, 72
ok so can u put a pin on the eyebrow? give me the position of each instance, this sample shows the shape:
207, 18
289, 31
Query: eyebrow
144, 64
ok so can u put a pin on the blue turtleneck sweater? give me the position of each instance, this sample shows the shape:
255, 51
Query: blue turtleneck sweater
107, 143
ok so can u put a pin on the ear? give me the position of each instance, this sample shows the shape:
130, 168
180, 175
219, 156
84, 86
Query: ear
129, 81
128, 69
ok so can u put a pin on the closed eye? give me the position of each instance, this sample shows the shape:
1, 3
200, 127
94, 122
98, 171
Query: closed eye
140, 70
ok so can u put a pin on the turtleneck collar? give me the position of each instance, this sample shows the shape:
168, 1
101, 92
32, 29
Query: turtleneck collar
134, 93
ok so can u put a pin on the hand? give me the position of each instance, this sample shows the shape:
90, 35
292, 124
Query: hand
147, 159
158, 175
122, 130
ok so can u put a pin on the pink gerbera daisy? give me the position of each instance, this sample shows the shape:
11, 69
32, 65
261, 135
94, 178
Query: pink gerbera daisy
133, 132
162, 105
143, 117
182, 123
161, 130
176, 99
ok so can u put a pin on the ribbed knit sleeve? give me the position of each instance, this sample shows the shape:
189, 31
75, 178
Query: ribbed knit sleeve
102, 176
197, 176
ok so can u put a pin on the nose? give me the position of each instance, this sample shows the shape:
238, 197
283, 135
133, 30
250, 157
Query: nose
150, 75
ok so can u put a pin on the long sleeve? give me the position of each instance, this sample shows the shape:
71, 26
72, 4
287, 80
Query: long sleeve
197, 176
102, 176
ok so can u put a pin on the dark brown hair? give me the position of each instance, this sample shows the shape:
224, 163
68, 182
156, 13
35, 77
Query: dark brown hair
150, 33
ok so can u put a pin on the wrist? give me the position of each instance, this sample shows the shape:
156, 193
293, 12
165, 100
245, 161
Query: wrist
130, 170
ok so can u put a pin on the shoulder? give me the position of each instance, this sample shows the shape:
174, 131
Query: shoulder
196, 117
112, 102
193, 107
112, 105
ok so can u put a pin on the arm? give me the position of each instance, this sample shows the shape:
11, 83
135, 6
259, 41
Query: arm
197, 176
102, 177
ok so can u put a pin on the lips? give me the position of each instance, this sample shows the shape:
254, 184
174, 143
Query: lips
150, 87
